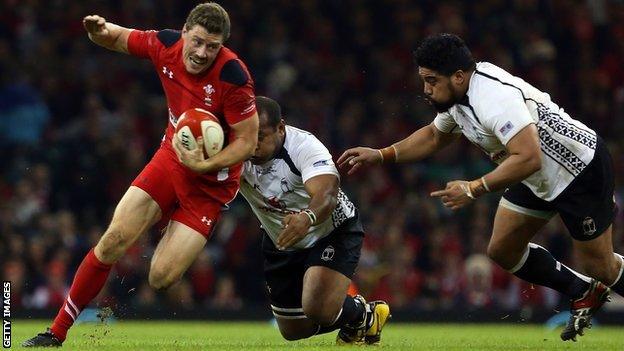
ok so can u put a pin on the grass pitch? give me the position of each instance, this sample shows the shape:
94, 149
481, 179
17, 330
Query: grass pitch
173, 335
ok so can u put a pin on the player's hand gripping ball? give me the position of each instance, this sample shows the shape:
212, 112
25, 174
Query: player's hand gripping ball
195, 123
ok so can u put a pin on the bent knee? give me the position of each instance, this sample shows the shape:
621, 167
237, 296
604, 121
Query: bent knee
503, 256
161, 278
320, 313
113, 244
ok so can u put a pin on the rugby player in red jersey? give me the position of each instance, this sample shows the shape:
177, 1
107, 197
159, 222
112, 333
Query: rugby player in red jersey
196, 71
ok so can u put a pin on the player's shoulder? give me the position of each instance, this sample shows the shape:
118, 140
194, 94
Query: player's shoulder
299, 140
491, 85
168, 37
233, 70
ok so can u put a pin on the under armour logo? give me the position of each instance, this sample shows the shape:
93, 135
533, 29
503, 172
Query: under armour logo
206, 221
589, 226
209, 89
328, 253
166, 71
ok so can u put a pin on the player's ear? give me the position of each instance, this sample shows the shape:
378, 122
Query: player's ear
281, 127
458, 77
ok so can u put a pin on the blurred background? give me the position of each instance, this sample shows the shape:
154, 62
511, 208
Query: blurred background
80, 122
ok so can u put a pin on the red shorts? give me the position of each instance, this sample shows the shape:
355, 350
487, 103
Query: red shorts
183, 195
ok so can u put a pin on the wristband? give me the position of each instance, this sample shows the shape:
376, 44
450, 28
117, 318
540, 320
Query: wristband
466, 188
310, 215
388, 154
485, 185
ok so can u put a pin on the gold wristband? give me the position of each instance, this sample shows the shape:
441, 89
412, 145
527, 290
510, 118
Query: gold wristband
388, 154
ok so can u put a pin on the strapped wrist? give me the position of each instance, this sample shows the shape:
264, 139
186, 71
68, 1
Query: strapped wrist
388, 154
311, 215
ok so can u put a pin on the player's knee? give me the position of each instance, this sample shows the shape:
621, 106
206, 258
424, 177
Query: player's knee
113, 244
497, 254
161, 278
319, 312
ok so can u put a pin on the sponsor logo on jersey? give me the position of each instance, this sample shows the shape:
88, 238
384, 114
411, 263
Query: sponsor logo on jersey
506, 128
321, 163
275, 202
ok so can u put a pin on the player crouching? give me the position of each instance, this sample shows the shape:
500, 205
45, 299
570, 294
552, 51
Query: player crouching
312, 235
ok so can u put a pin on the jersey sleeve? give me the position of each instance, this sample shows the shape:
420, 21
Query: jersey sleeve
507, 115
239, 101
314, 159
445, 123
144, 44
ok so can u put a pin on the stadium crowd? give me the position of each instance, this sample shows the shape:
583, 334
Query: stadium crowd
79, 123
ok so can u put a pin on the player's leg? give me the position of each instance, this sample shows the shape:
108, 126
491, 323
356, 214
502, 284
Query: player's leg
332, 263
510, 248
597, 259
143, 204
134, 214
325, 305
175, 253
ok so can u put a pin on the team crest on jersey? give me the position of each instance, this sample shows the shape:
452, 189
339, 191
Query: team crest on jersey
209, 90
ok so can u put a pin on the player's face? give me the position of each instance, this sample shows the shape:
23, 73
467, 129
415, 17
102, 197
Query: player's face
440, 90
199, 49
269, 141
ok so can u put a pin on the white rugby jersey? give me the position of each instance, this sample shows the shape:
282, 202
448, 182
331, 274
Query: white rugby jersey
276, 188
499, 105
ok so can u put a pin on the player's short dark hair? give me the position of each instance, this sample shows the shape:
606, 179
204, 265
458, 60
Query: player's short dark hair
212, 17
270, 108
444, 53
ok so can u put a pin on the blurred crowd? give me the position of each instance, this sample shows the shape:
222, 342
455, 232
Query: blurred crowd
79, 123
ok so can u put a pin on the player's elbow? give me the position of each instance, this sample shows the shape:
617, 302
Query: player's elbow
533, 163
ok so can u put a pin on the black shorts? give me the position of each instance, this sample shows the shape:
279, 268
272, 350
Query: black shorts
587, 206
284, 270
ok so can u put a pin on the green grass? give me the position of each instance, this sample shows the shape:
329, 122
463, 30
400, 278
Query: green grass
162, 335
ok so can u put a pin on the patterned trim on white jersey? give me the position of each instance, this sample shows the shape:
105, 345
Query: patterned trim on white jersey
550, 123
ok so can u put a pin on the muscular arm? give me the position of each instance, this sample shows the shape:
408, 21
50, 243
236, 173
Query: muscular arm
422, 143
323, 191
106, 34
525, 158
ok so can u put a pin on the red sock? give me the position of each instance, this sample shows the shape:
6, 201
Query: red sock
88, 281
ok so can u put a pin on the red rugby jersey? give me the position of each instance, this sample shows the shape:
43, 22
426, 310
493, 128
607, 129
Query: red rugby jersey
226, 89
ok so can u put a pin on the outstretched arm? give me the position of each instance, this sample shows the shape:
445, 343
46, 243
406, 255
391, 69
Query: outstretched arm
106, 34
420, 144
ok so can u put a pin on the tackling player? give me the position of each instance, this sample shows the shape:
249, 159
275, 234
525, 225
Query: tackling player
196, 71
548, 164
313, 235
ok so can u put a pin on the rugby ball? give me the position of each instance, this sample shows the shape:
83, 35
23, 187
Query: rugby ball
197, 122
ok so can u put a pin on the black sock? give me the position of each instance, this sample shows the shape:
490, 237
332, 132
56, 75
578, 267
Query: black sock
618, 284
352, 313
541, 268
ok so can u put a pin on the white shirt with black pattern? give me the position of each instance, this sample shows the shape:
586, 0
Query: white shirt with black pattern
499, 105
277, 187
